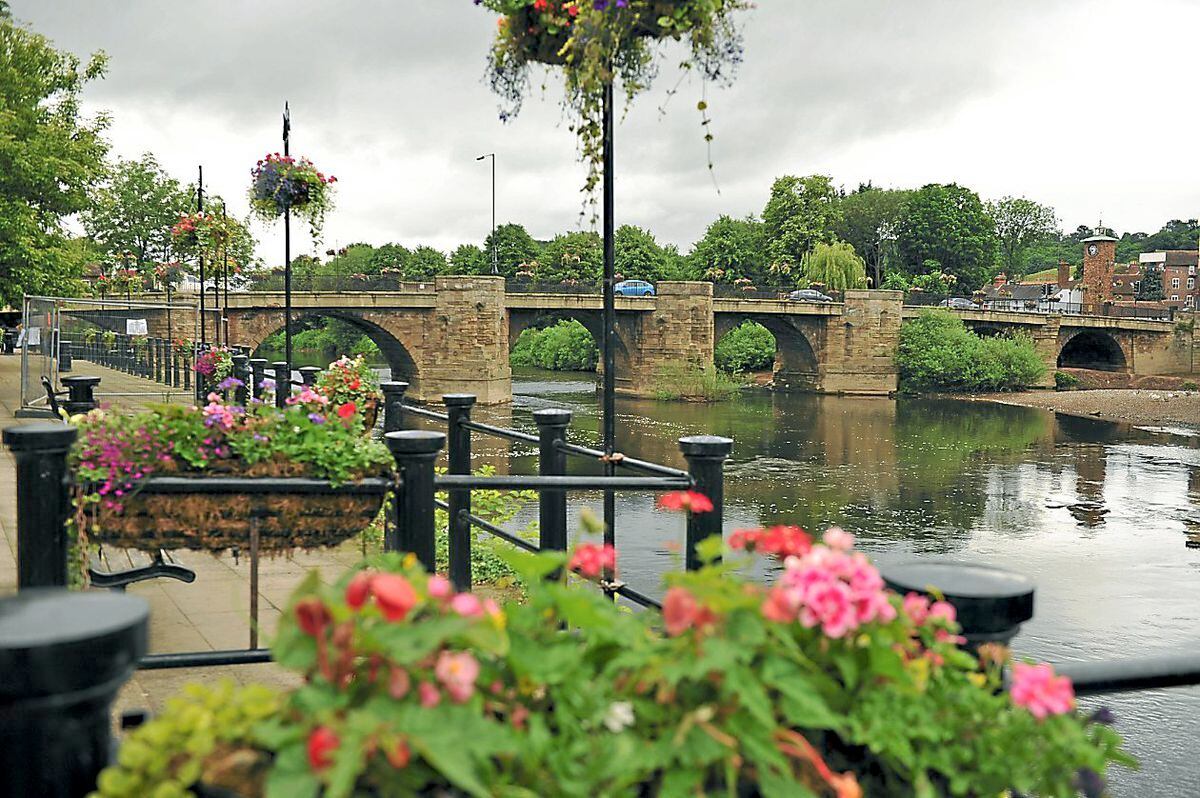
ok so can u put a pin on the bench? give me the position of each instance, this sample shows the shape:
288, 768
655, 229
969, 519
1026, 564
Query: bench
103, 573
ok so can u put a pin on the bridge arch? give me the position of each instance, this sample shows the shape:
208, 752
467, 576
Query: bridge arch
592, 321
1093, 349
398, 353
796, 359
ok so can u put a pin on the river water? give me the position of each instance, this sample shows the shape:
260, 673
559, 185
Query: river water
1096, 513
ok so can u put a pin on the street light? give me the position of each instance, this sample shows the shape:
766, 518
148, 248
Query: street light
492, 155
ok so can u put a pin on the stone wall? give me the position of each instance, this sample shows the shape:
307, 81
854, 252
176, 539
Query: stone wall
464, 345
680, 330
859, 351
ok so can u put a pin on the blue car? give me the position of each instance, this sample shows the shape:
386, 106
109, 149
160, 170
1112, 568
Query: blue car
633, 288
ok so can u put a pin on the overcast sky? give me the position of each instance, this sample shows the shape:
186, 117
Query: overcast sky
1087, 105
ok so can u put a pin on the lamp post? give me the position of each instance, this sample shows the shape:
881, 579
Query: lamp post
200, 209
225, 271
495, 264
287, 252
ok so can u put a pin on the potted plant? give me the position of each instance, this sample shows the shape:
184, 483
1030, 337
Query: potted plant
350, 382
597, 42
108, 338
823, 684
281, 183
117, 452
215, 365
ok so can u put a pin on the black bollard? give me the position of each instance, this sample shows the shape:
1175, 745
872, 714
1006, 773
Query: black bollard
552, 462
81, 394
393, 405
241, 372
991, 603
283, 382
308, 375
258, 373
64, 656
415, 452
706, 456
458, 407
64, 355
40, 451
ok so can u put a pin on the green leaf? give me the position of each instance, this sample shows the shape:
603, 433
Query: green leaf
290, 776
710, 549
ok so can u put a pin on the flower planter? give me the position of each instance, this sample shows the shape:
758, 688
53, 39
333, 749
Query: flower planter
214, 522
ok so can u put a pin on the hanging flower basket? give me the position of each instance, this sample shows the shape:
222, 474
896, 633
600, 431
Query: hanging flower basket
117, 453
280, 183
352, 387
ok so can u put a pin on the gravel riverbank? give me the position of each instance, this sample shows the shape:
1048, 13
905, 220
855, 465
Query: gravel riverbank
1136, 406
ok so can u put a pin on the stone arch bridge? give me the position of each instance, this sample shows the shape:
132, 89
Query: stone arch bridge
454, 334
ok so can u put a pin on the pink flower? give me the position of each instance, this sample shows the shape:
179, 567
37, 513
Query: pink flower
943, 610
831, 606
681, 612
1036, 688
467, 605
916, 607
429, 695
590, 560
439, 587
837, 538
457, 673
775, 608
398, 683
687, 500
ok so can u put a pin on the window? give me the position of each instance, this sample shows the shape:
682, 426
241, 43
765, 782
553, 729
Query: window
1137, 285
1187, 300
1174, 297
1174, 282
1191, 269
1191, 283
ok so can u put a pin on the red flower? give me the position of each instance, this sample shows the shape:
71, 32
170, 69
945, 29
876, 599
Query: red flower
781, 541
679, 610
591, 560
399, 755
394, 595
347, 410
359, 589
687, 500
312, 616
322, 742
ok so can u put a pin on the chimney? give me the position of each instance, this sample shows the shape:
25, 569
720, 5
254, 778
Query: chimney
1000, 279
1064, 274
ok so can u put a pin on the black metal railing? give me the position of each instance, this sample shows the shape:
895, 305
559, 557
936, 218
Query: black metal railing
342, 283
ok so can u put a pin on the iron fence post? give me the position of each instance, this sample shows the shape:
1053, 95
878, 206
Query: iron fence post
990, 603
706, 456
458, 408
283, 382
308, 375
258, 373
40, 451
241, 372
415, 452
393, 405
64, 355
185, 366
552, 426
156, 348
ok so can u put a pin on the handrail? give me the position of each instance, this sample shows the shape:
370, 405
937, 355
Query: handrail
492, 529
571, 483
1127, 675
500, 432
421, 411
624, 461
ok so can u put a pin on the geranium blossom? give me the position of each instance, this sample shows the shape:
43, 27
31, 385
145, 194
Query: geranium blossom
686, 500
457, 672
394, 594
780, 541
1036, 688
681, 611
591, 560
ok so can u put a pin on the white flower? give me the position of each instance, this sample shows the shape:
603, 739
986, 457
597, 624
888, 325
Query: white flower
619, 716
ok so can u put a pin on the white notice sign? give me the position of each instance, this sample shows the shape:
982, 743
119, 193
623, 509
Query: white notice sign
135, 327
35, 336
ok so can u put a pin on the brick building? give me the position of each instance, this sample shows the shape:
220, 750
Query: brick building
1179, 276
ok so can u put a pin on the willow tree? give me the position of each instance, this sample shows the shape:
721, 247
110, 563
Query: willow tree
836, 266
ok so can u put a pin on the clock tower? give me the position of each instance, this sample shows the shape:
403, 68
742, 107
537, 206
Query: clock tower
1099, 262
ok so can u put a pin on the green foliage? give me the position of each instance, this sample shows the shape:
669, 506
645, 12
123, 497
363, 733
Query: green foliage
693, 383
938, 353
488, 566
578, 255
637, 256
1150, 286
936, 282
835, 266
1065, 381
1020, 223
802, 212
731, 249
869, 218
948, 224
134, 211
331, 338
747, 347
564, 346
515, 248
426, 263
569, 694
470, 259
1188, 385
896, 281
52, 157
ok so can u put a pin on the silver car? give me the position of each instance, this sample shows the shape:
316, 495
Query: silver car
809, 295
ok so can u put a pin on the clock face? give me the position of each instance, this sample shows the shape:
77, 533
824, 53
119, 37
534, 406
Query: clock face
1092, 249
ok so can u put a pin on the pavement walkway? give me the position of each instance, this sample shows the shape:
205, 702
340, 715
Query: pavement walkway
212, 613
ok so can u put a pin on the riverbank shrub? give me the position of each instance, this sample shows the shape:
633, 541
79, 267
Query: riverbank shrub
564, 346
823, 683
747, 347
938, 353
1065, 381
693, 383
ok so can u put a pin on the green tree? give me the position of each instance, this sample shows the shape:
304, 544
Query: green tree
948, 224
578, 255
389, 256
470, 259
514, 248
1150, 287
636, 255
802, 212
731, 249
938, 353
836, 266
747, 347
870, 217
51, 158
677, 266
1020, 223
135, 209
426, 262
